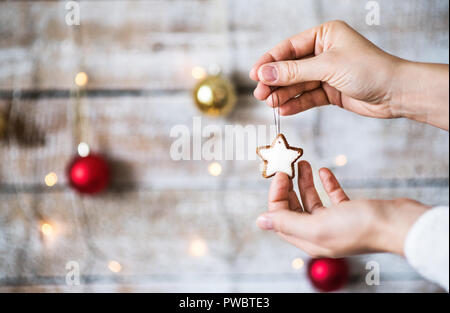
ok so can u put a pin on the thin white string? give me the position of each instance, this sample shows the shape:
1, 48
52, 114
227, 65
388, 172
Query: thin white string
276, 113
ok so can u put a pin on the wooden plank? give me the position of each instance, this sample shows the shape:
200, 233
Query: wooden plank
134, 133
92, 231
204, 286
162, 42
134, 45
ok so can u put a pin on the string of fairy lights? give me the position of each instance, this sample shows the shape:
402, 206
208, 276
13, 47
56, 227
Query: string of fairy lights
213, 94
197, 246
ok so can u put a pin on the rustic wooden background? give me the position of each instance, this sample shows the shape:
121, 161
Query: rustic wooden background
139, 56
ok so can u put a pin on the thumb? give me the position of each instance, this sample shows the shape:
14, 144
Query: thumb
286, 73
290, 223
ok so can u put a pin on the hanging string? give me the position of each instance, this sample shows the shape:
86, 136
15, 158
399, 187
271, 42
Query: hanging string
80, 120
80, 125
276, 113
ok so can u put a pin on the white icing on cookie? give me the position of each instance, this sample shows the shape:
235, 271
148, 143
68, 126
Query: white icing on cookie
279, 157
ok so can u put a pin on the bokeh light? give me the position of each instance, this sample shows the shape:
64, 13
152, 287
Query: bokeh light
205, 95
83, 149
81, 79
297, 263
340, 160
51, 179
214, 69
215, 169
114, 266
198, 247
198, 72
47, 229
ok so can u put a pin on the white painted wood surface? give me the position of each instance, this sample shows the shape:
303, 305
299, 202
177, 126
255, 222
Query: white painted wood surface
138, 55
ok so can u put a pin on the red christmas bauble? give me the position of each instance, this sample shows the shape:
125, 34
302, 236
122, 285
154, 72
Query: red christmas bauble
328, 274
89, 174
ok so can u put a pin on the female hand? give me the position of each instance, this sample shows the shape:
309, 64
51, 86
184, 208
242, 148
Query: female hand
346, 228
334, 64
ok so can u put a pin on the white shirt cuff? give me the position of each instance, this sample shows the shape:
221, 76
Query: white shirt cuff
427, 245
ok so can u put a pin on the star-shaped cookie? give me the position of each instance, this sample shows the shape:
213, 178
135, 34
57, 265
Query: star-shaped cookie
279, 157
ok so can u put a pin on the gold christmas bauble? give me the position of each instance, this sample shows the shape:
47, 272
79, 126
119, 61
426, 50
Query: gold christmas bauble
3, 125
215, 95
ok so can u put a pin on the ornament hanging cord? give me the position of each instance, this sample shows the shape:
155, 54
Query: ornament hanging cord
276, 113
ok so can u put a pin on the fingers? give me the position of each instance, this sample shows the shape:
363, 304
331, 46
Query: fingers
289, 104
332, 187
306, 101
265, 58
308, 193
286, 73
280, 198
279, 192
294, 203
290, 223
262, 91
298, 46
310, 248
284, 94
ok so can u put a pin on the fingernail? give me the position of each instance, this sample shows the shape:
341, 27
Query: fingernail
264, 222
269, 73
